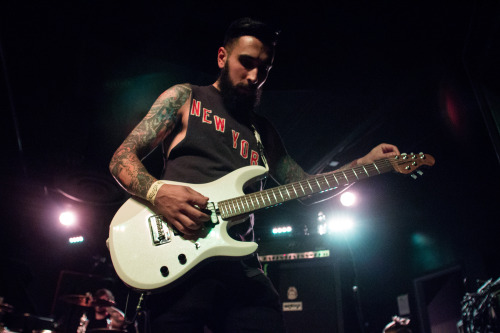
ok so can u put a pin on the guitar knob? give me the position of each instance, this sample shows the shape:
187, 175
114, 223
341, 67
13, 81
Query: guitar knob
164, 271
182, 259
420, 173
413, 176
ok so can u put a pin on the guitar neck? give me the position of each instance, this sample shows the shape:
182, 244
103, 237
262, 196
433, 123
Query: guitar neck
319, 183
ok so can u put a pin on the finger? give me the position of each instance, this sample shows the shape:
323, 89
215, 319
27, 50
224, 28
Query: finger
195, 214
197, 198
180, 227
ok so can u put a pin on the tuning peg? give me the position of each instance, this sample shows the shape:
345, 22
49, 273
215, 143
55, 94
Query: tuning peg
420, 172
414, 176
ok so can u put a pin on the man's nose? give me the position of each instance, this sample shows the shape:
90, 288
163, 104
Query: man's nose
253, 76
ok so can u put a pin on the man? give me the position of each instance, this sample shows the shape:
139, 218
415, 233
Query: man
207, 132
104, 314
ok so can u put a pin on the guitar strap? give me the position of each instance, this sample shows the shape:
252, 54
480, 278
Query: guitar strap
261, 147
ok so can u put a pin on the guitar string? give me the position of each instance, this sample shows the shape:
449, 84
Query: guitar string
316, 184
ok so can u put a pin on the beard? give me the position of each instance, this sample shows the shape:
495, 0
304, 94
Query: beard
239, 99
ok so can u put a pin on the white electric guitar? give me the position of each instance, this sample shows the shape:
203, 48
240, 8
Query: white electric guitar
148, 254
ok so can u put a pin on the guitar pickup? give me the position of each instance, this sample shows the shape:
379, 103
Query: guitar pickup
160, 232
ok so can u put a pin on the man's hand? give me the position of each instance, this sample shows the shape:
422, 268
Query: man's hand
182, 207
383, 150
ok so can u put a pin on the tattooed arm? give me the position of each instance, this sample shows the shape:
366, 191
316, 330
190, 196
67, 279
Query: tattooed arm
176, 203
126, 165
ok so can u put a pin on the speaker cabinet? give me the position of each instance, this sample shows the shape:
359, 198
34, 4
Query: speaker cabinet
310, 291
439, 297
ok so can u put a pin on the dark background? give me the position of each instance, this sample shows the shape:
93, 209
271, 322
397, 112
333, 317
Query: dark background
77, 76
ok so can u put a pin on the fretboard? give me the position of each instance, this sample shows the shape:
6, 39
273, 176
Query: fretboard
319, 183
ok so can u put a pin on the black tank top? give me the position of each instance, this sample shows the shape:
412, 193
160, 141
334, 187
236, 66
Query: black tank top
215, 143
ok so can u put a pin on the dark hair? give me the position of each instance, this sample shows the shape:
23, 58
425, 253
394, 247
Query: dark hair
250, 27
102, 292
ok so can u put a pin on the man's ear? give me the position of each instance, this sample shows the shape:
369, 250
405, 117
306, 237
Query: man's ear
222, 56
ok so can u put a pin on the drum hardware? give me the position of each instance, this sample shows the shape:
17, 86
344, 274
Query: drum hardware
86, 301
29, 323
480, 309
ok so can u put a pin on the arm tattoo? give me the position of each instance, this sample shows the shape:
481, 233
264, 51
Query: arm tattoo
126, 165
289, 171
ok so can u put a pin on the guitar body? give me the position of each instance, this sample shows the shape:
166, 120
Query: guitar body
146, 265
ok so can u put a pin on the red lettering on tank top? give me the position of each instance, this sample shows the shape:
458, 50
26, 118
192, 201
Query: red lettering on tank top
254, 158
195, 108
235, 139
220, 124
206, 114
244, 148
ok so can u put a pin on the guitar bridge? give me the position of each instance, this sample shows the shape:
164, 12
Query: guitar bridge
160, 232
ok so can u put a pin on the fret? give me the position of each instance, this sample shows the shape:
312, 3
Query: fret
296, 195
274, 195
235, 206
268, 198
302, 188
288, 192
336, 179
326, 180
308, 183
246, 200
222, 208
354, 171
256, 196
375, 164
281, 195
366, 171
347, 180
238, 205
243, 204
316, 178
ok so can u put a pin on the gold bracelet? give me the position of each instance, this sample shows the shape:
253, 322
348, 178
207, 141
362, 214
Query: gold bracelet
153, 191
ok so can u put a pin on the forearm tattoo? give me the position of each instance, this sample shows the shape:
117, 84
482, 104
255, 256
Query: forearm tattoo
126, 165
289, 171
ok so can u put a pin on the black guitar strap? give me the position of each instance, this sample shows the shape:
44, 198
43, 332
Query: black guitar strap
261, 147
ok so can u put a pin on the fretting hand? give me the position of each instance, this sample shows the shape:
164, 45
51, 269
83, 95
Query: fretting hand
383, 150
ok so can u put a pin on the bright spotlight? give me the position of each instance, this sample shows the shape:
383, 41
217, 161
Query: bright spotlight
340, 224
67, 218
348, 199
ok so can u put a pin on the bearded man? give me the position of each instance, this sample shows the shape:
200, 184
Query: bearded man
206, 133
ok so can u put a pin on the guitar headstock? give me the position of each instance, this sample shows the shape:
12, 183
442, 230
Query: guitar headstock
408, 163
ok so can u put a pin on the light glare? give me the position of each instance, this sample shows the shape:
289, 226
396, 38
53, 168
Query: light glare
282, 230
348, 199
340, 224
77, 239
67, 218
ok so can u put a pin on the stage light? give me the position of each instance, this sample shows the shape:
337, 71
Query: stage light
321, 217
67, 218
282, 230
340, 224
322, 229
347, 199
77, 239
